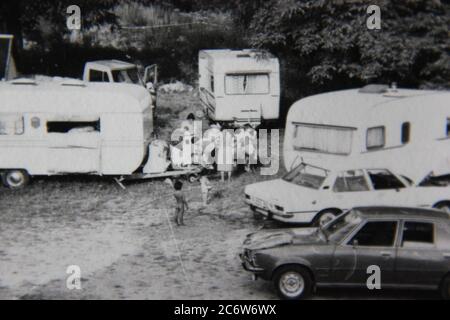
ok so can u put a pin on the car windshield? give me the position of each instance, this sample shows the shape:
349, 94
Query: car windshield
337, 229
128, 76
307, 176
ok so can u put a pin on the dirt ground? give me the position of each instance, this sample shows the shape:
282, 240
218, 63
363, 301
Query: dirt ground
125, 241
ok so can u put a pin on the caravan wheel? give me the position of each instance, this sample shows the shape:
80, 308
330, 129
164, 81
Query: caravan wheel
15, 179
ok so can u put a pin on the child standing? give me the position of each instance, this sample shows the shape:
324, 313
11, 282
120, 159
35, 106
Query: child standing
205, 187
181, 205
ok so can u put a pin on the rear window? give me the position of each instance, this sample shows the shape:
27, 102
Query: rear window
376, 137
417, 233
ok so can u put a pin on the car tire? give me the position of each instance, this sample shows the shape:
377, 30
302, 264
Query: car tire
443, 206
324, 217
293, 282
15, 179
445, 288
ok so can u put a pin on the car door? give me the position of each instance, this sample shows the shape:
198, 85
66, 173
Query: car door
372, 244
387, 189
419, 261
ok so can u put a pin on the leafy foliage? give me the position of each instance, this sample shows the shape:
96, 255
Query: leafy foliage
326, 45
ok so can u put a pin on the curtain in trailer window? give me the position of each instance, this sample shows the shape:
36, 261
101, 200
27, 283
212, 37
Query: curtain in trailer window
323, 139
247, 84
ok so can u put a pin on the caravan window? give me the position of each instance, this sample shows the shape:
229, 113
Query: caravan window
73, 126
247, 83
376, 137
11, 125
406, 128
448, 127
327, 139
383, 180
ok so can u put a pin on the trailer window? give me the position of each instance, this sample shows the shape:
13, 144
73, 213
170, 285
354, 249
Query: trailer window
247, 83
73, 126
376, 137
11, 125
406, 128
448, 127
326, 139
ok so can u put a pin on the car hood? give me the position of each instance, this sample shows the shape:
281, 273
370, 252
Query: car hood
274, 238
281, 192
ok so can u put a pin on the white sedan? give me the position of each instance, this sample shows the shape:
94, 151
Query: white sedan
309, 194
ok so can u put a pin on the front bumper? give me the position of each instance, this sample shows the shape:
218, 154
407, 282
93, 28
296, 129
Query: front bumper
288, 217
267, 211
248, 265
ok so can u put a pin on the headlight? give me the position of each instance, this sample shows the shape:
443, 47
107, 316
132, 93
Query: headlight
279, 208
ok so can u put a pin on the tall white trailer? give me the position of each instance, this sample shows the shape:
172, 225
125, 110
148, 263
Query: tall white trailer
239, 86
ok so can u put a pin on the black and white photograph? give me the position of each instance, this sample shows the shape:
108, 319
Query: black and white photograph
225, 150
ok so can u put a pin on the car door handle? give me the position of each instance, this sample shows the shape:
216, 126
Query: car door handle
385, 254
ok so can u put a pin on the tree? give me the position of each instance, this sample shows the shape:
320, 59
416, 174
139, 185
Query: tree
326, 45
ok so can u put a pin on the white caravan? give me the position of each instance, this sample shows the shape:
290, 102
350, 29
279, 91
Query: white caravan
407, 131
72, 127
239, 86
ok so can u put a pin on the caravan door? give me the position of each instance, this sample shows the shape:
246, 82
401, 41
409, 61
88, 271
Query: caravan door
74, 146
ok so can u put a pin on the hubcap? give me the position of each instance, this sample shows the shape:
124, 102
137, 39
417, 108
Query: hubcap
325, 218
15, 178
292, 284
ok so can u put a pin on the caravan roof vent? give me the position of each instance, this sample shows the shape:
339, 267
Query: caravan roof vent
374, 88
73, 83
24, 81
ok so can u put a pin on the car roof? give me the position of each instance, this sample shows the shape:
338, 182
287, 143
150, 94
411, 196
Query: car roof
113, 64
401, 213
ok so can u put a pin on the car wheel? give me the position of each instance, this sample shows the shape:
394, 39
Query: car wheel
15, 179
443, 206
445, 288
293, 282
324, 217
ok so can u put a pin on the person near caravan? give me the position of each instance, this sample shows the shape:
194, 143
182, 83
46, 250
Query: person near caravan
205, 187
210, 143
225, 154
251, 147
181, 203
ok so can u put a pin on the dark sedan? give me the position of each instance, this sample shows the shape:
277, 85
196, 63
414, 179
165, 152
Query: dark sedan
397, 247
